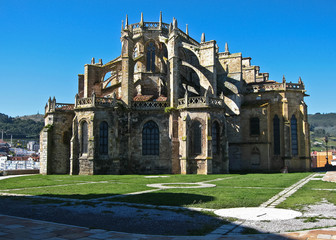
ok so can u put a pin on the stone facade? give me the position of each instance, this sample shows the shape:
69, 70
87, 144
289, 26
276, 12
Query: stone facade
171, 104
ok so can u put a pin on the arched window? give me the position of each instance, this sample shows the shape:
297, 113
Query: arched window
294, 136
276, 135
196, 138
215, 138
254, 126
151, 57
103, 138
150, 139
84, 137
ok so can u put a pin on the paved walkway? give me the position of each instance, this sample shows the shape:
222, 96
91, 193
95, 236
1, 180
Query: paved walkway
23, 228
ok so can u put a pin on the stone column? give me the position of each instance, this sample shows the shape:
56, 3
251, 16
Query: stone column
207, 60
127, 85
183, 138
174, 75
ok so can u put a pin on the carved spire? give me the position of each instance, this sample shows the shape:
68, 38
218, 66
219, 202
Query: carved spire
126, 23
300, 81
283, 79
226, 47
122, 25
160, 21
174, 23
93, 60
101, 62
203, 38
141, 20
187, 31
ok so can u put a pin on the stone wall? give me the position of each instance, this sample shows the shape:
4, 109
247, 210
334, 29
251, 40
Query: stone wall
55, 143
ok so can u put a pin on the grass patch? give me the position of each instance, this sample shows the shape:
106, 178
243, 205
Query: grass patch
307, 195
204, 197
234, 190
84, 191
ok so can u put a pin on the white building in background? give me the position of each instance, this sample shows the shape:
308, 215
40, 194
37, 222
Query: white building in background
19, 163
33, 146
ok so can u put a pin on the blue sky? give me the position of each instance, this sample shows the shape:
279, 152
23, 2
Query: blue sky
45, 44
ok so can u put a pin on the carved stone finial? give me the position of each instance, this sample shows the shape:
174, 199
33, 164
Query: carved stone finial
122, 25
54, 99
283, 79
126, 22
101, 62
93, 60
160, 20
226, 47
187, 31
300, 81
203, 38
174, 23
139, 90
141, 20
170, 28
221, 96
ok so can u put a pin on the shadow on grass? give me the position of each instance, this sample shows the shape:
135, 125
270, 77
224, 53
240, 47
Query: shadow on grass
128, 219
164, 198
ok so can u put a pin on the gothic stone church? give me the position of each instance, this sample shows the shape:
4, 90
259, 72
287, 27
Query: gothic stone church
171, 104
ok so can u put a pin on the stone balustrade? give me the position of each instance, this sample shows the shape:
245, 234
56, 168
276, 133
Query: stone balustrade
52, 106
149, 105
95, 101
136, 27
274, 87
64, 106
195, 102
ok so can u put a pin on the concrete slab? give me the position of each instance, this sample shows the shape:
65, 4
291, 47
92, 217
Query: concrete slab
258, 214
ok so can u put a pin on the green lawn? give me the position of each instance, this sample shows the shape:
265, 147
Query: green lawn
249, 190
309, 194
234, 190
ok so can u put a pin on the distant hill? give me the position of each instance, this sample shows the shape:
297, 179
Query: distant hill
323, 124
21, 127
35, 117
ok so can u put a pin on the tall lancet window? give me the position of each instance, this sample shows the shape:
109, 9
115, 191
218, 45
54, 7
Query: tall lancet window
215, 138
150, 139
151, 57
196, 138
276, 135
294, 136
85, 137
103, 138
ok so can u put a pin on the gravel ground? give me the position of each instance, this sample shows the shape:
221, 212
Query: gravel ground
157, 221
324, 212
